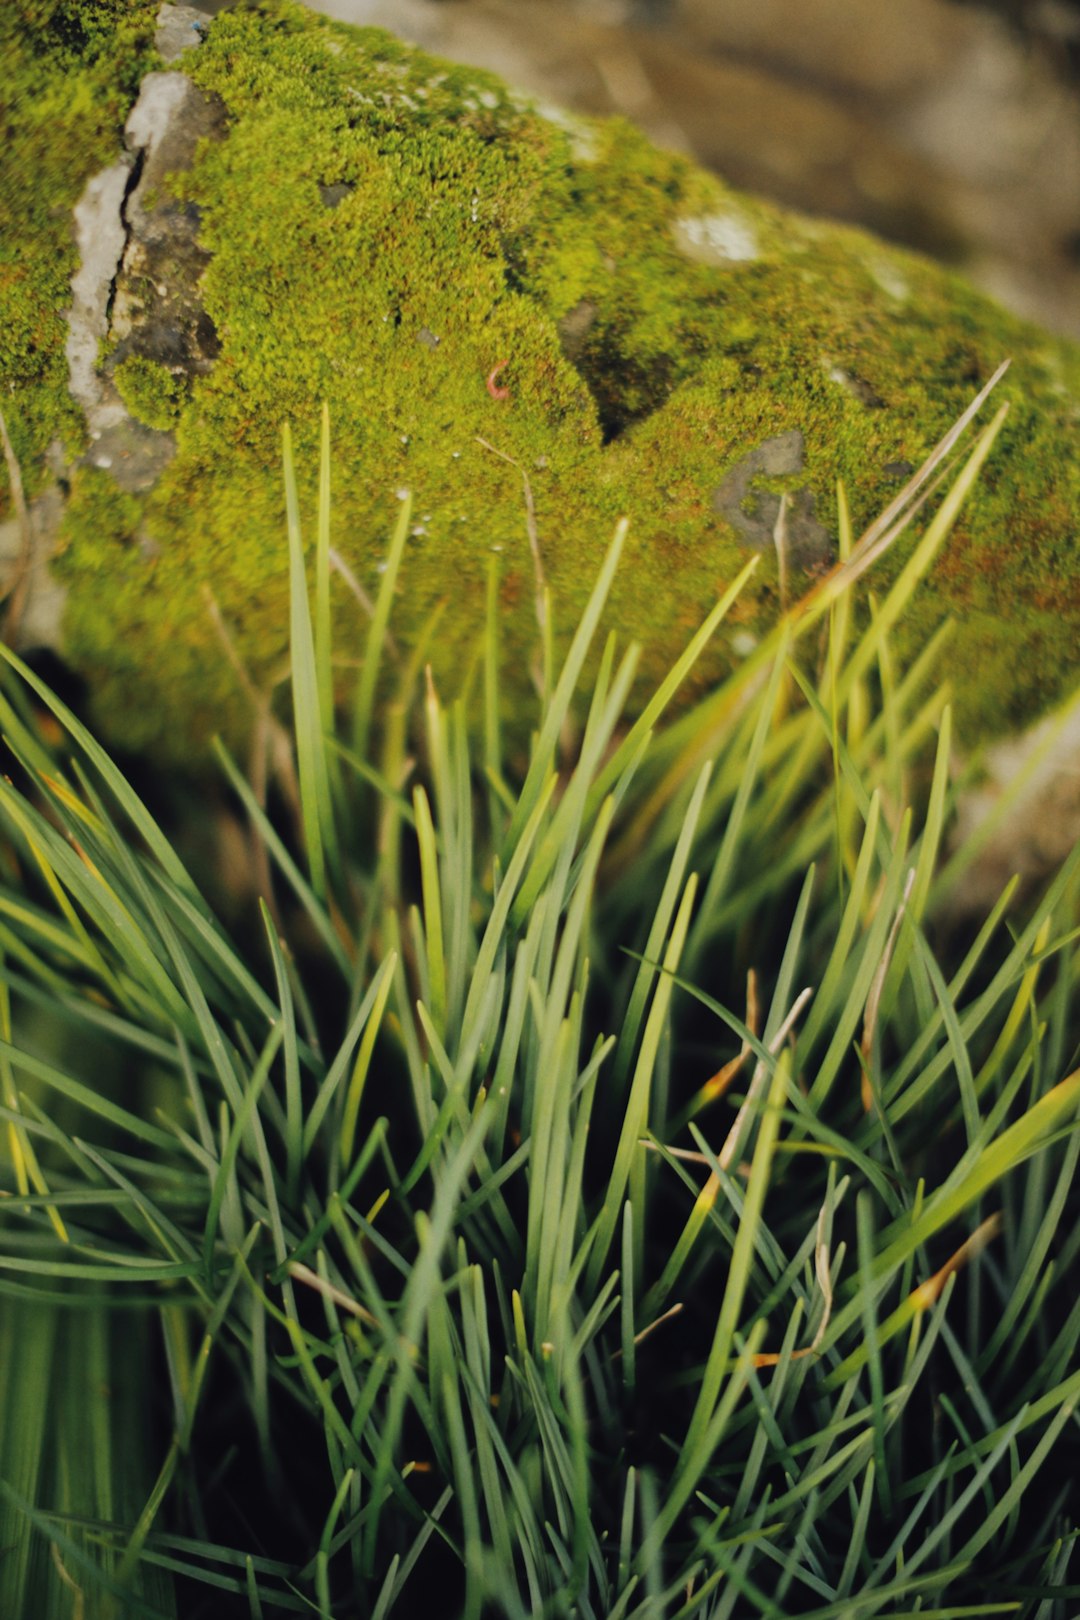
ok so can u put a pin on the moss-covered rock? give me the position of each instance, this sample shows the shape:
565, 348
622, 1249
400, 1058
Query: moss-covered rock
482, 292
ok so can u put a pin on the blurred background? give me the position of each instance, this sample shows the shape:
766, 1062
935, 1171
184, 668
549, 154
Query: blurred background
952, 126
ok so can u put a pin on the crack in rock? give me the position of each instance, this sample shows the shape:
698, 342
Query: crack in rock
137, 286
157, 312
140, 264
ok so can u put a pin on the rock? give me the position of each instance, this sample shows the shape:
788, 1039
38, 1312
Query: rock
178, 28
1025, 810
754, 517
930, 122
307, 212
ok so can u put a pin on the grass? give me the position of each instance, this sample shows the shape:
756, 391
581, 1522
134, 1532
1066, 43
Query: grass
609, 1187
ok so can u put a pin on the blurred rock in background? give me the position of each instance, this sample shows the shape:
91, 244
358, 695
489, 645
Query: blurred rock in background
953, 128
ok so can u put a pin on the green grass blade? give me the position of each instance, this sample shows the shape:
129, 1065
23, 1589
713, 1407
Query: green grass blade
315, 805
543, 753
364, 704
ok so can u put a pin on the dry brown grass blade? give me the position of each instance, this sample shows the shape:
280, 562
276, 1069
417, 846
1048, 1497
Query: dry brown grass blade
929, 1292
822, 1270
311, 1279
718, 1084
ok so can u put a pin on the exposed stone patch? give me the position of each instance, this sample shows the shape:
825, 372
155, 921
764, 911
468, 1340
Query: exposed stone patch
100, 237
890, 280
1042, 824
754, 513
716, 239
133, 453
178, 28
334, 195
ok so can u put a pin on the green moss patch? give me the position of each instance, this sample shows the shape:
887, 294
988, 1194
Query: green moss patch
482, 293
152, 393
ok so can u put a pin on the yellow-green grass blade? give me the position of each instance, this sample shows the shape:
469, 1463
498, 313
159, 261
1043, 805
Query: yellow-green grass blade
937, 530
432, 908
237, 1130
855, 906
917, 1073
723, 865
859, 990
1050, 1208
543, 753
650, 714
294, 1125
315, 805
636, 1115
86, 1097
24, 1159
125, 796
311, 903
364, 702
974, 1177
658, 929
494, 933
358, 1078
717, 1367
115, 920
693, 1462
323, 636
556, 847
74, 1463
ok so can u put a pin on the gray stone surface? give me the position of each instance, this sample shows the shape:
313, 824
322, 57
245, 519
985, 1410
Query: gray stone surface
1027, 807
178, 28
765, 518
100, 237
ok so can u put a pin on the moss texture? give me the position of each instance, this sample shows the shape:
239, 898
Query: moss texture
70, 70
385, 231
152, 393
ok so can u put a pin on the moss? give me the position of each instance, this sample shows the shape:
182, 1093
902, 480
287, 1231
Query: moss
70, 73
385, 230
152, 393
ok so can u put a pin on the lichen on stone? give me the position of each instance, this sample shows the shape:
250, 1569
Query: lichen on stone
386, 232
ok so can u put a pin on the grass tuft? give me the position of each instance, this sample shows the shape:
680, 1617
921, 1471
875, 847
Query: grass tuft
610, 1188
